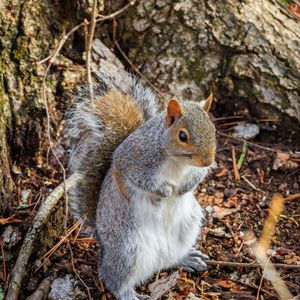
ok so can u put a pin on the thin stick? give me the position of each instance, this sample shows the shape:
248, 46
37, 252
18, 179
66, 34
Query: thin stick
248, 265
3, 263
48, 126
53, 55
32, 235
137, 70
235, 168
77, 274
262, 278
293, 197
89, 47
250, 183
249, 143
260, 247
53, 249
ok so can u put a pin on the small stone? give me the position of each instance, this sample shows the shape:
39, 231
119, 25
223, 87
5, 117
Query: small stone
66, 289
246, 131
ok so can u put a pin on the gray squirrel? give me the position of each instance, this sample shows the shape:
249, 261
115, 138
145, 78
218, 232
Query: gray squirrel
138, 168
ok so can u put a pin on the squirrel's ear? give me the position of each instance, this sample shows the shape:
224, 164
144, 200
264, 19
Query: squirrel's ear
208, 102
174, 112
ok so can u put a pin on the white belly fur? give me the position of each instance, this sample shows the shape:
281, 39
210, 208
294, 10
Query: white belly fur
166, 232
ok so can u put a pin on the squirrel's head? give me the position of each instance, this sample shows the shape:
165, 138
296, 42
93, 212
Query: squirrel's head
190, 134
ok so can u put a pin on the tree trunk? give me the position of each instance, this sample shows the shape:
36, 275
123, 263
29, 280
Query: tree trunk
244, 51
28, 32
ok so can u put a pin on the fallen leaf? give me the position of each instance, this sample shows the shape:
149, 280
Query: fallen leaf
220, 172
283, 162
218, 197
219, 232
221, 212
294, 9
228, 284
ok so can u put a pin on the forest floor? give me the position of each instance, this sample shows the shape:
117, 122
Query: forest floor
234, 206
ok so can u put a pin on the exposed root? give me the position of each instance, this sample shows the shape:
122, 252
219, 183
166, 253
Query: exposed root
32, 235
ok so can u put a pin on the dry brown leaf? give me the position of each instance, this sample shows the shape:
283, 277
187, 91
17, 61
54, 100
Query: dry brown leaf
294, 9
221, 212
228, 284
292, 261
283, 162
218, 198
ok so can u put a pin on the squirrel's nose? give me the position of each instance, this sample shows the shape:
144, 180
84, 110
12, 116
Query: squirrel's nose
206, 160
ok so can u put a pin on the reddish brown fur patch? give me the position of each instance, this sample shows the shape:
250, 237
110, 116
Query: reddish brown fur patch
118, 111
120, 183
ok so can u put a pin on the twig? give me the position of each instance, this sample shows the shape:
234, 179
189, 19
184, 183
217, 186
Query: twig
32, 235
248, 265
262, 278
260, 247
42, 290
77, 274
89, 47
55, 247
235, 168
50, 141
102, 290
137, 70
250, 183
3, 264
53, 55
249, 143
292, 197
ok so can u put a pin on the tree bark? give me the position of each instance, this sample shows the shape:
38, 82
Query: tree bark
244, 51
29, 30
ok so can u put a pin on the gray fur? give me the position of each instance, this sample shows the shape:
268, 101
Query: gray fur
89, 155
156, 200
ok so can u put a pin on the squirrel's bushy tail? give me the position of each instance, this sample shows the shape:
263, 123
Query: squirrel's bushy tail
95, 127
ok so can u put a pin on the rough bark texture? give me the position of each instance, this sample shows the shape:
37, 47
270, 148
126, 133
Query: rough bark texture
241, 50
28, 32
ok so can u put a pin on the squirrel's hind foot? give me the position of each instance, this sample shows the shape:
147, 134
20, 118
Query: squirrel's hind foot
194, 262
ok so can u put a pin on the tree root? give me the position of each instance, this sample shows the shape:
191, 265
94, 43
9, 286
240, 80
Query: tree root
19, 271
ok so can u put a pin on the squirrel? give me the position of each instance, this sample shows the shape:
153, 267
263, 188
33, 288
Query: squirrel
138, 168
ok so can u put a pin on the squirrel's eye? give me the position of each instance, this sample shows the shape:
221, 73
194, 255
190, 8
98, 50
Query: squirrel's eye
182, 136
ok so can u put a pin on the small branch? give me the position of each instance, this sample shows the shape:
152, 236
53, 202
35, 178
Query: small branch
250, 183
32, 235
42, 290
248, 265
137, 70
259, 248
235, 168
77, 274
249, 143
89, 47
